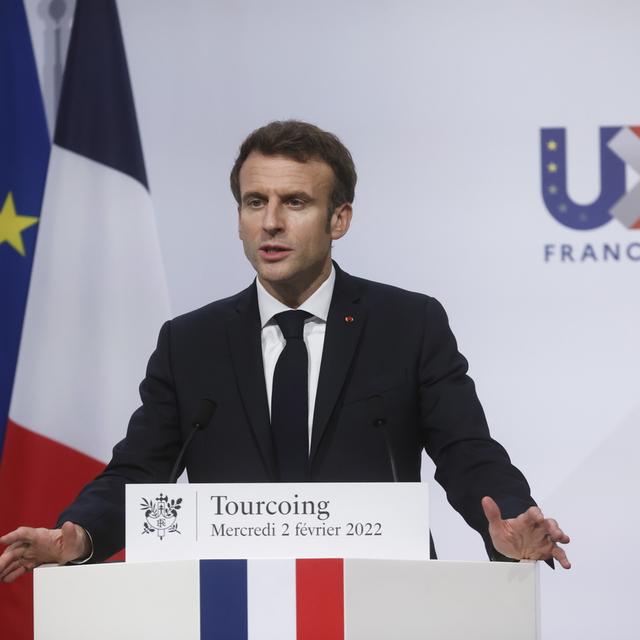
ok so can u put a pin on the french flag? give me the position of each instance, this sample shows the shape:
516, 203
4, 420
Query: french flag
97, 296
272, 599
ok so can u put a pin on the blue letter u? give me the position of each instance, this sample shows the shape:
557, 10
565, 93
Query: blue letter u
553, 157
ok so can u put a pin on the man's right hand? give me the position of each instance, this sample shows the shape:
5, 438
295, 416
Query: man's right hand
28, 548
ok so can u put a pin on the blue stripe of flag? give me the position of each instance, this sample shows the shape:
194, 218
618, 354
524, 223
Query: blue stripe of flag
24, 155
223, 600
97, 116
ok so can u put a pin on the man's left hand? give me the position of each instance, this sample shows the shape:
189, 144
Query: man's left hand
530, 536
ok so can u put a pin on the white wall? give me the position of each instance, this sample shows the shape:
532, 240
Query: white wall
441, 104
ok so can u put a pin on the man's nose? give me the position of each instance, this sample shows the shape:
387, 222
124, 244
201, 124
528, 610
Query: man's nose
273, 220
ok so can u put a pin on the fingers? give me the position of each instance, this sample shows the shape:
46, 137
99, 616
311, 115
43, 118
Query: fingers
12, 571
14, 563
533, 516
555, 533
491, 510
559, 555
529, 536
12, 553
548, 527
14, 574
32, 547
21, 534
28, 548
549, 534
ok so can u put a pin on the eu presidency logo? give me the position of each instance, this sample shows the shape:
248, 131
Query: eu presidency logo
619, 146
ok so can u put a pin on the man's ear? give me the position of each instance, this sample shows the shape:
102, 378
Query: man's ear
340, 220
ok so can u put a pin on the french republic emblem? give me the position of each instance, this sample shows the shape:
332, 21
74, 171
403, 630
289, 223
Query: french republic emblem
160, 515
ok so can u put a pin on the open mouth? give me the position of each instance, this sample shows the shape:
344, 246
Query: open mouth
274, 248
274, 252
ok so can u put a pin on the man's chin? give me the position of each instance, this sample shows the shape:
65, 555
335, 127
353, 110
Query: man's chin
274, 274
286, 277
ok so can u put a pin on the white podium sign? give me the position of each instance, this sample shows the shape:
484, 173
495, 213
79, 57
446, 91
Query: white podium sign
380, 520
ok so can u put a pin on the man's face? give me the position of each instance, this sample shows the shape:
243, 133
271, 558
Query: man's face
284, 223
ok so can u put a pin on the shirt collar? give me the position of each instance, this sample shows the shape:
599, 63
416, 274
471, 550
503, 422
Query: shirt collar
317, 304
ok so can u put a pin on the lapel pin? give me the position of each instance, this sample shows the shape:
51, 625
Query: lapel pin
348, 319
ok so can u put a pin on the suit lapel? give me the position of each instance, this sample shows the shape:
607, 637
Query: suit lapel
244, 334
344, 327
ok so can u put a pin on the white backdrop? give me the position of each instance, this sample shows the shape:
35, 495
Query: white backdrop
441, 104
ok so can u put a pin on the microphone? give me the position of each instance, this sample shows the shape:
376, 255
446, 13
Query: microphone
202, 417
380, 422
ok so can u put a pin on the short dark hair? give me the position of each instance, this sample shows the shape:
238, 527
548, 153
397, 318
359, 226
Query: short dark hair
301, 141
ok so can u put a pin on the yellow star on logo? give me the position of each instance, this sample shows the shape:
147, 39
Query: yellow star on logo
12, 225
552, 145
552, 167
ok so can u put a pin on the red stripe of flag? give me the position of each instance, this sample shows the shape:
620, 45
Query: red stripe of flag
320, 599
38, 478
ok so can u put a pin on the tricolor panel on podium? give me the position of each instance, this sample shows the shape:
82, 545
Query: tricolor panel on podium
313, 599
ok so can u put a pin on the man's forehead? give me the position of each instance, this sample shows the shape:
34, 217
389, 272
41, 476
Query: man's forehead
261, 171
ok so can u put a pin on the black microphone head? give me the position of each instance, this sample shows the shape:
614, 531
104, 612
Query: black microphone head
202, 417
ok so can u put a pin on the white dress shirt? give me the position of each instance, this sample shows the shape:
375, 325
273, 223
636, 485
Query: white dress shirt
314, 330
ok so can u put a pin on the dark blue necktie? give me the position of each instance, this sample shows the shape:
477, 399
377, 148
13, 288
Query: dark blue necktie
289, 400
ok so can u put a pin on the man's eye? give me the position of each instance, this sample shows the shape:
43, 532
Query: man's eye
254, 203
296, 203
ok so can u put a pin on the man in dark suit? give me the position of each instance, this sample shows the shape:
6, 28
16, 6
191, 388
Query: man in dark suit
379, 377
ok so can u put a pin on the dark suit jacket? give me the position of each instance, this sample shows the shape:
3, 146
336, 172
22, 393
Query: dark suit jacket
396, 360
